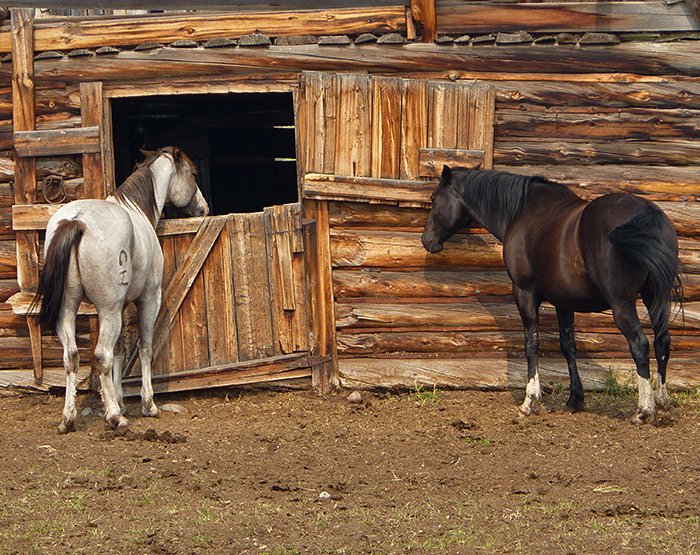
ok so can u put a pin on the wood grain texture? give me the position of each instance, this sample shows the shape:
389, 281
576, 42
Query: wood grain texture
414, 126
506, 373
366, 189
57, 142
386, 127
425, 13
166, 28
353, 145
92, 115
432, 160
251, 287
477, 17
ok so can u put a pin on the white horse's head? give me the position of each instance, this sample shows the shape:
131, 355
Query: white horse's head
183, 191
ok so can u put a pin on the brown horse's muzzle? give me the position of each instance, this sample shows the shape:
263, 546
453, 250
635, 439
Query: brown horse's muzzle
431, 244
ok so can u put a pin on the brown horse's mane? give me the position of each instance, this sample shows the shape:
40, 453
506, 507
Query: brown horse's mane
500, 195
138, 189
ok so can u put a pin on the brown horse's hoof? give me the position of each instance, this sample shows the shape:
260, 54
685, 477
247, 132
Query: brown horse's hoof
575, 405
643, 417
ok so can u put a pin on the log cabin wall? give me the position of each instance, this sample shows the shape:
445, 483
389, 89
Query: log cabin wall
600, 96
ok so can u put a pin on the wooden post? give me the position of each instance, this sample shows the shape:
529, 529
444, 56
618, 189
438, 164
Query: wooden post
424, 12
91, 113
23, 115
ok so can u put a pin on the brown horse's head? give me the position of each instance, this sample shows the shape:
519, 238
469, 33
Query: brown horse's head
448, 213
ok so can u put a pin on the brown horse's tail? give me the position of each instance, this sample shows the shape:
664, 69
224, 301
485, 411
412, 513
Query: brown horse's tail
650, 240
52, 281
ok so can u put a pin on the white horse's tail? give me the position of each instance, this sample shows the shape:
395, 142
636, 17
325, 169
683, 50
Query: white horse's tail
52, 281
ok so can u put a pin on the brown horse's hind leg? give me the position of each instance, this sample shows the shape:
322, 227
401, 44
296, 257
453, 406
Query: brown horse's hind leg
625, 314
528, 303
662, 350
567, 342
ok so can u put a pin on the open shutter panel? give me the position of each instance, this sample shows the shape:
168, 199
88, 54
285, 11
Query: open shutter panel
396, 135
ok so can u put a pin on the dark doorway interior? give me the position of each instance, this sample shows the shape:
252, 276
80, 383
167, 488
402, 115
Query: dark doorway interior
242, 143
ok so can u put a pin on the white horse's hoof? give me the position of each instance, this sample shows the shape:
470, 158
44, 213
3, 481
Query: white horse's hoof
152, 412
65, 427
117, 421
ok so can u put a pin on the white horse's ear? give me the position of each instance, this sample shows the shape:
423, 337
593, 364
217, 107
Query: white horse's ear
177, 154
148, 153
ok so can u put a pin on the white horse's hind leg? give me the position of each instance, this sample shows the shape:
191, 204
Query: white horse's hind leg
110, 328
117, 369
148, 305
65, 330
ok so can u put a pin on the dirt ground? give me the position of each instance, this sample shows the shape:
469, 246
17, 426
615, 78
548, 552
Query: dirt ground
287, 472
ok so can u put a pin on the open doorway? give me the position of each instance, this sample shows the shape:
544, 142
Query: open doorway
242, 143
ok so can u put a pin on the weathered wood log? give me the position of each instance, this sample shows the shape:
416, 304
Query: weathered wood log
432, 160
596, 96
653, 182
634, 124
485, 344
428, 283
166, 28
390, 249
477, 316
475, 17
505, 373
676, 153
365, 189
57, 142
639, 58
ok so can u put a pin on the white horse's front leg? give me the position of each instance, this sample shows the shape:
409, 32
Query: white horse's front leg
148, 305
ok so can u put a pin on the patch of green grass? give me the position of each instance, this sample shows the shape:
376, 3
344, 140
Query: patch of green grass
202, 540
205, 515
481, 441
615, 388
282, 550
422, 395
76, 503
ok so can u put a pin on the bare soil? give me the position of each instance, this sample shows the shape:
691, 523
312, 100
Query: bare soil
288, 472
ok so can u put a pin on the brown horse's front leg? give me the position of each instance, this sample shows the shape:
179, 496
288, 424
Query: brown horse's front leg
528, 302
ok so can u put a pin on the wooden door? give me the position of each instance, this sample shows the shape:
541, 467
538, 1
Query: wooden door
235, 302
375, 147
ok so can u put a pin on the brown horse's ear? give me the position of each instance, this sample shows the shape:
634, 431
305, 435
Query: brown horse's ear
446, 173
148, 153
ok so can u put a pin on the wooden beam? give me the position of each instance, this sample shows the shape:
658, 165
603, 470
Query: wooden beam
640, 58
432, 160
92, 116
694, 6
57, 142
425, 13
551, 17
367, 189
165, 28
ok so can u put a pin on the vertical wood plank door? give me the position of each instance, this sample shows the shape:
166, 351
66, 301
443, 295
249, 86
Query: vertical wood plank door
235, 307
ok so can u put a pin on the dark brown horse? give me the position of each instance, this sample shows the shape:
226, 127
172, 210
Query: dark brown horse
580, 256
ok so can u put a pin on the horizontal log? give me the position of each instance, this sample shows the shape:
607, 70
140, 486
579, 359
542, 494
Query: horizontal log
478, 316
21, 303
8, 259
653, 182
378, 284
7, 169
648, 125
57, 142
593, 153
505, 373
595, 96
165, 28
641, 58
483, 17
8, 287
366, 189
432, 160
391, 249
487, 344
428, 283
35, 217
400, 249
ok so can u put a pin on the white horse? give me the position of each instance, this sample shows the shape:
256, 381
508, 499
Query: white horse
108, 251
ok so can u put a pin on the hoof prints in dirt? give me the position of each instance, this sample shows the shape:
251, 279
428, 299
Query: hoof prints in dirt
148, 435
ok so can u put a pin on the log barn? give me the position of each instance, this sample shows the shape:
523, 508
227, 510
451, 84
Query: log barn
319, 130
